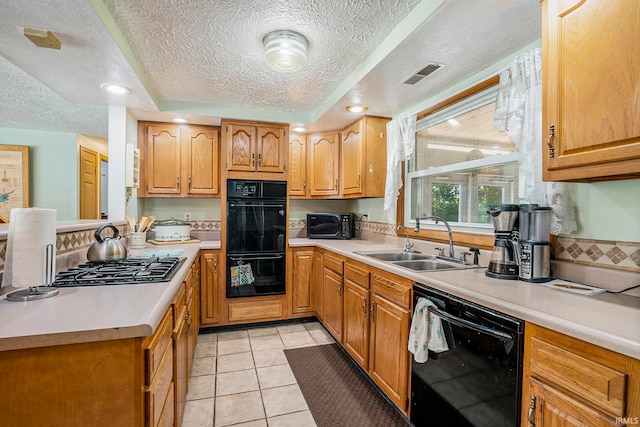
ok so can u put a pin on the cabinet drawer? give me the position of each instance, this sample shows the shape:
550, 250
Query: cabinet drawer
333, 263
155, 348
357, 275
262, 310
603, 387
393, 290
158, 391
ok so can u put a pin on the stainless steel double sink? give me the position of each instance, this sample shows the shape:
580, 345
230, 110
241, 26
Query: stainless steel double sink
416, 261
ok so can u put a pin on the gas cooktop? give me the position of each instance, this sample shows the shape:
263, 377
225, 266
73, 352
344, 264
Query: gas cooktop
125, 272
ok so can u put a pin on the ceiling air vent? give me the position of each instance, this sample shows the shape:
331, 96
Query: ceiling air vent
421, 74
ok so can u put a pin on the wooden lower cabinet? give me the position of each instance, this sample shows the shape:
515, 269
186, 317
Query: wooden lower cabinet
388, 354
355, 335
568, 382
318, 277
300, 270
209, 293
332, 288
368, 311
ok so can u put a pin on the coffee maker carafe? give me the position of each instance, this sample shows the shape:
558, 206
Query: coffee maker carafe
535, 248
505, 255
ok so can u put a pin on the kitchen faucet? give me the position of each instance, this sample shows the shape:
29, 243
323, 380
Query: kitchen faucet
409, 245
438, 219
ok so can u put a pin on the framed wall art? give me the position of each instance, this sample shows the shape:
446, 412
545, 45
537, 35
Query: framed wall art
14, 179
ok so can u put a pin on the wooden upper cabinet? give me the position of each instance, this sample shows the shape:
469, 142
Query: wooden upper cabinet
323, 165
590, 90
255, 147
352, 159
270, 150
178, 160
297, 166
202, 161
162, 159
241, 145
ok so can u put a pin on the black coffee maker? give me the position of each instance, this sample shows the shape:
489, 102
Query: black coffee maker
504, 258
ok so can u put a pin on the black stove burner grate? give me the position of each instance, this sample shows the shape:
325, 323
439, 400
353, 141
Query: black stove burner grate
125, 272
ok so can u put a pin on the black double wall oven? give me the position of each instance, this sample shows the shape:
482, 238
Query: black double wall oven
256, 238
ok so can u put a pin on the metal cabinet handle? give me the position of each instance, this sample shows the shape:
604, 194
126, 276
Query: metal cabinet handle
253, 159
304, 183
215, 265
189, 183
373, 310
336, 184
358, 181
178, 182
340, 290
364, 307
552, 130
532, 408
259, 159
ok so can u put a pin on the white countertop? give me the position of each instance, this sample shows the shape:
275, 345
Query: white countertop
92, 313
608, 320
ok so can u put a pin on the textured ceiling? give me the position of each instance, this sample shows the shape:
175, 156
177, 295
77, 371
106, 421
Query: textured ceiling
203, 59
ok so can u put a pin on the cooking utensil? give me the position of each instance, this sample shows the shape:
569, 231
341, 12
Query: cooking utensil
141, 222
146, 224
132, 223
107, 249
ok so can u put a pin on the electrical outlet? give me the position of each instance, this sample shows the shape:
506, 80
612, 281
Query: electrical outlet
365, 215
187, 216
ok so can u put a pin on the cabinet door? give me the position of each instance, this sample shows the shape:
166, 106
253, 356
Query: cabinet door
163, 156
209, 287
323, 164
388, 354
301, 279
201, 169
318, 280
588, 92
355, 336
297, 166
352, 159
241, 145
180, 358
271, 149
191, 332
332, 307
548, 406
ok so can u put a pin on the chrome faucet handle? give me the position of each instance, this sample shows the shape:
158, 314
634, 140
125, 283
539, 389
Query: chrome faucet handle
463, 257
440, 251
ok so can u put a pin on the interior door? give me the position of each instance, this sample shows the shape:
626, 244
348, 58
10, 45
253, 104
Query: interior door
89, 184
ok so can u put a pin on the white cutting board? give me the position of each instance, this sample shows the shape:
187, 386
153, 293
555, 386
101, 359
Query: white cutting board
579, 288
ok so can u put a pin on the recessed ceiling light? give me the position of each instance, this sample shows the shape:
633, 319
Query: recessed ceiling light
453, 122
113, 88
179, 120
299, 129
356, 108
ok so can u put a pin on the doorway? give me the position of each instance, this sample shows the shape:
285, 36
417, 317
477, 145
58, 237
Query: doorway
93, 184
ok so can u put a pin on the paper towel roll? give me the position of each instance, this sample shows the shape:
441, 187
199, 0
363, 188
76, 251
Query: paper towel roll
30, 231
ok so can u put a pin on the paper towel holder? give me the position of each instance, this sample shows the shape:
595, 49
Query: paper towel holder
40, 291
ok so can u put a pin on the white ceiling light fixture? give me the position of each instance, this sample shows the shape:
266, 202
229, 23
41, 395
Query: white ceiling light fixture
114, 88
179, 120
285, 51
299, 128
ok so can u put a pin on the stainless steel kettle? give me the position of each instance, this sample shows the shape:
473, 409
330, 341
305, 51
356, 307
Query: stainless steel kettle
108, 249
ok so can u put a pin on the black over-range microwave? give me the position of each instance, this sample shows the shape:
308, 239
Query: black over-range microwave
330, 225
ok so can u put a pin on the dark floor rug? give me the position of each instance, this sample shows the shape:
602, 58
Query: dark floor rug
337, 392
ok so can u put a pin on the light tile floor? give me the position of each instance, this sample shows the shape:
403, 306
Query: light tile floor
242, 378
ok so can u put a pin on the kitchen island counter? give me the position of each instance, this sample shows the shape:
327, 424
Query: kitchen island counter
608, 320
92, 313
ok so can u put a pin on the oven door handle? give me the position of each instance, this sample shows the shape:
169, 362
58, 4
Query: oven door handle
256, 205
466, 324
256, 258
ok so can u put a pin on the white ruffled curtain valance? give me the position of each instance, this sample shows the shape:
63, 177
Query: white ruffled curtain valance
401, 136
519, 113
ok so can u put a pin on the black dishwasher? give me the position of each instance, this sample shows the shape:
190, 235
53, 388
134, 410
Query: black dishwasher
477, 381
